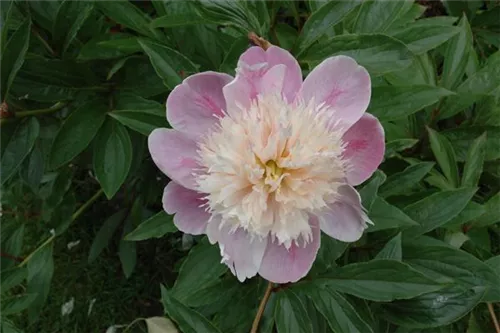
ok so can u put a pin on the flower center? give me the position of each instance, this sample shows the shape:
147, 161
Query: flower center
266, 169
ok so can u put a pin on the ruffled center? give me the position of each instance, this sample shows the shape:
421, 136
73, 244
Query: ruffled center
266, 169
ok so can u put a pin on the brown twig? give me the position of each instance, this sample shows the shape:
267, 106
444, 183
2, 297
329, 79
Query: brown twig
494, 317
10, 256
262, 307
259, 41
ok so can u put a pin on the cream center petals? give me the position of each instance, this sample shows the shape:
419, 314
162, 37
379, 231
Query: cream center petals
268, 168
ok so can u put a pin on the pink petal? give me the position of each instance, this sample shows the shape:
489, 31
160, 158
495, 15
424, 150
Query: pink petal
272, 81
342, 84
280, 265
240, 252
293, 76
344, 220
175, 155
253, 66
365, 148
185, 204
193, 105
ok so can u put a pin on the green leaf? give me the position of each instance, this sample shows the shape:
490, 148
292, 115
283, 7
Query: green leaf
487, 18
402, 182
17, 303
377, 16
394, 146
40, 271
201, 268
379, 280
329, 251
12, 246
434, 309
231, 59
98, 48
177, 20
445, 156
168, 63
19, 146
239, 14
126, 45
492, 214
494, 263
392, 249
387, 216
472, 211
338, 311
474, 162
290, 314
378, 53
463, 138
105, 233
189, 321
456, 55
445, 263
482, 83
456, 8
140, 122
77, 132
421, 71
70, 17
395, 102
140, 78
437, 209
9, 327
12, 277
140, 114
32, 171
127, 250
13, 54
112, 156
155, 227
322, 21
369, 192
421, 38
127, 14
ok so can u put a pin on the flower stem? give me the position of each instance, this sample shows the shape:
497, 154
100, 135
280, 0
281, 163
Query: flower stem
73, 217
53, 108
86, 205
494, 317
262, 307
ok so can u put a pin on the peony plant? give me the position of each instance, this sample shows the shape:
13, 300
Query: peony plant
262, 162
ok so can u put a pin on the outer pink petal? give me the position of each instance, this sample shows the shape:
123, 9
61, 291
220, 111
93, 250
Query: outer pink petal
342, 84
192, 105
241, 253
253, 66
185, 204
344, 220
293, 76
280, 265
365, 148
175, 155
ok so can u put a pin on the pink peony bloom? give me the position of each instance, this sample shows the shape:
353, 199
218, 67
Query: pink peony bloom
264, 161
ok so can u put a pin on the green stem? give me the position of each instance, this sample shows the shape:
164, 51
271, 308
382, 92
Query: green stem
56, 107
25, 261
43, 41
73, 218
86, 205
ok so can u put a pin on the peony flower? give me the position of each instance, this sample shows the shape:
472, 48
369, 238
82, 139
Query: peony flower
262, 162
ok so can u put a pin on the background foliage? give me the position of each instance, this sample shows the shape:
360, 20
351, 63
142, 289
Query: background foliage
82, 85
